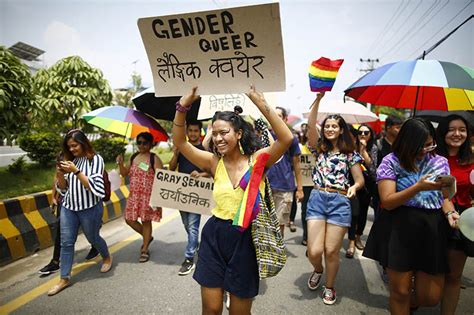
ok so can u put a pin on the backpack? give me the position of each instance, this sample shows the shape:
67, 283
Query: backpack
152, 159
105, 175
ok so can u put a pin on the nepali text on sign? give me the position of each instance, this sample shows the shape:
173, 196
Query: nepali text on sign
181, 191
221, 51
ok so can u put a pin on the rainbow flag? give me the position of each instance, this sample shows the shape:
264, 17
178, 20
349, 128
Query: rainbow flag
250, 204
322, 74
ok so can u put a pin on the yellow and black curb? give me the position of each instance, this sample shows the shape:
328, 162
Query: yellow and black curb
27, 223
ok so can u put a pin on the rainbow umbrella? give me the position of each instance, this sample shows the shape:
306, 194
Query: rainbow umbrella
126, 122
417, 84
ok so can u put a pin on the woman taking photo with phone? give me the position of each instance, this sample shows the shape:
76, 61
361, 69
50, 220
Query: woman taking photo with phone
227, 259
453, 138
81, 181
409, 238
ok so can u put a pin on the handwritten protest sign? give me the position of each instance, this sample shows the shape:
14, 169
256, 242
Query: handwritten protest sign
226, 102
307, 162
221, 51
183, 192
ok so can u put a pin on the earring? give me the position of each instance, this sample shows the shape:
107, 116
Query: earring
241, 149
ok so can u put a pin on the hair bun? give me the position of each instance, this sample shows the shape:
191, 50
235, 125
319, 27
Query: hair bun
238, 110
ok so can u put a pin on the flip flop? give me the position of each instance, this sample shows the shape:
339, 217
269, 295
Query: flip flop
144, 257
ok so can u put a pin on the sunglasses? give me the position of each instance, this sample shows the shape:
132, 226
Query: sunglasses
142, 142
363, 132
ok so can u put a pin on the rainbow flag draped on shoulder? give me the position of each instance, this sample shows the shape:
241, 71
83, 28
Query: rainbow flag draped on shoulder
250, 183
322, 74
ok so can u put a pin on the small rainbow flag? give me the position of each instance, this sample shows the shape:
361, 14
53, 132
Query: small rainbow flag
250, 204
322, 74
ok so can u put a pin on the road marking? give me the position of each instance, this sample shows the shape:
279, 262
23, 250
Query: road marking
43, 288
372, 276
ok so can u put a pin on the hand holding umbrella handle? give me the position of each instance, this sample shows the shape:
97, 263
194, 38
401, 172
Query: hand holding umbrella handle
186, 101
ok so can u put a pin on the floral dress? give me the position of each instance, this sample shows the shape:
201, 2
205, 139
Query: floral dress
138, 204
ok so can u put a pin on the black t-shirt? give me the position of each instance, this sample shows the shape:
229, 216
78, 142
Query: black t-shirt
184, 166
382, 150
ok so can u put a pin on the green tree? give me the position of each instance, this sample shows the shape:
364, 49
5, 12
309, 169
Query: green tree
124, 96
67, 90
15, 95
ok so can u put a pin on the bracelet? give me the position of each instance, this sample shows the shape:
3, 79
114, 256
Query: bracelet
180, 108
178, 125
76, 173
447, 214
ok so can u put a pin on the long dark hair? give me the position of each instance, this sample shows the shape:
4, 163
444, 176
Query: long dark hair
371, 141
250, 141
411, 140
80, 137
344, 141
465, 153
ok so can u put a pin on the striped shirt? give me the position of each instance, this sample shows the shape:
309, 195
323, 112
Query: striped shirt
77, 197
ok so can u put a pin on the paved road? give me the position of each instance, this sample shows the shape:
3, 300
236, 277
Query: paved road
10, 153
155, 288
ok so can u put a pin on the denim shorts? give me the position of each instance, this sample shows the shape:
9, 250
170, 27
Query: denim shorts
332, 207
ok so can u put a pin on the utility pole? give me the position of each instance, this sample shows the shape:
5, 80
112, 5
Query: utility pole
370, 65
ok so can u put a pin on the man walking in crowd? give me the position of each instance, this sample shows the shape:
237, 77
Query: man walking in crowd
190, 220
282, 178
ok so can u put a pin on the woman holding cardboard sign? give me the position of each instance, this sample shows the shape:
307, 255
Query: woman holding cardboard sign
227, 258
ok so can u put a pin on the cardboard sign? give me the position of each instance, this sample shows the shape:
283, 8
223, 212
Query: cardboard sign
307, 162
226, 102
220, 51
183, 192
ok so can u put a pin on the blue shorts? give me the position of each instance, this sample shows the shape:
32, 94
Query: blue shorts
227, 259
332, 207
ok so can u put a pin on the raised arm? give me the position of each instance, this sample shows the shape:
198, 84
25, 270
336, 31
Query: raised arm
200, 158
284, 135
313, 133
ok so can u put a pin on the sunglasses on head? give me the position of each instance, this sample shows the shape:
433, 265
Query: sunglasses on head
363, 132
142, 142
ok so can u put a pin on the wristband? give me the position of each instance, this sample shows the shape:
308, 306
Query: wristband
76, 173
180, 108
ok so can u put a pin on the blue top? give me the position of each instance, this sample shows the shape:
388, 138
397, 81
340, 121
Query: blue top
281, 175
184, 166
390, 168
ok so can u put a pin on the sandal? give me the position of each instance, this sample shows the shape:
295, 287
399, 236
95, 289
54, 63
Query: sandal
350, 253
144, 257
292, 227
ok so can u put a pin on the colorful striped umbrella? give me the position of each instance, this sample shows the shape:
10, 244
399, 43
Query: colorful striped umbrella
417, 84
126, 122
323, 73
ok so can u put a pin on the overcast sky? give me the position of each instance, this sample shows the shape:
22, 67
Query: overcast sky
105, 34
